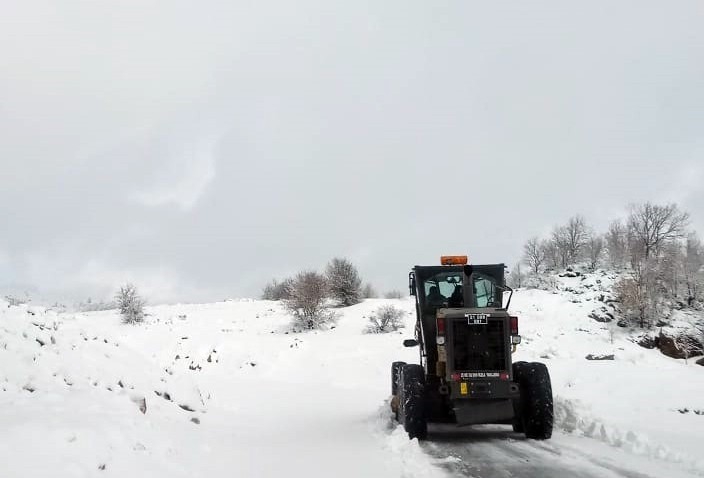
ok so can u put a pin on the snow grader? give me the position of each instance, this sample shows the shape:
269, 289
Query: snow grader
466, 337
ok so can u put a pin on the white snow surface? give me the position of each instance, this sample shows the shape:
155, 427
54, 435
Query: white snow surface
269, 402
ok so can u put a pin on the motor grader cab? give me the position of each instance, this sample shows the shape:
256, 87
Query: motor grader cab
466, 336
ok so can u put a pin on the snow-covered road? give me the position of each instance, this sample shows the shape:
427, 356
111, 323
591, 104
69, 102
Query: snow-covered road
497, 452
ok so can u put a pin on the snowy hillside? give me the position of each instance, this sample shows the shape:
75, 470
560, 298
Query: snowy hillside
225, 390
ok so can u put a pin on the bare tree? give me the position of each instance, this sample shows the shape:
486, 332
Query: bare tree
577, 235
306, 300
534, 254
692, 267
652, 225
517, 277
594, 250
14, 301
344, 283
130, 304
386, 318
570, 239
671, 268
552, 254
616, 243
368, 292
277, 290
393, 294
559, 244
639, 295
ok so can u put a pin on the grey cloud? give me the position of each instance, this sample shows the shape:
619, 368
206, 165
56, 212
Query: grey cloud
204, 149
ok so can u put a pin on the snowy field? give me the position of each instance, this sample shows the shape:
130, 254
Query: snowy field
225, 390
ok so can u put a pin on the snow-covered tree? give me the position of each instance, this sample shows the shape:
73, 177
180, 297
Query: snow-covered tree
344, 283
130, 304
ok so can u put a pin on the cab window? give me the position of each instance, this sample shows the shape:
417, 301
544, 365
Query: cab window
484, 291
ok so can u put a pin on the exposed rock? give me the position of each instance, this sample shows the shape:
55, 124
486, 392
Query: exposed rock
700, 361
602, 314
648, 342
679, 347
141, 403
599, 357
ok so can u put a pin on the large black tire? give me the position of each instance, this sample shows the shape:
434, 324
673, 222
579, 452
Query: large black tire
412, 409
536, 406
517, 423
395, 376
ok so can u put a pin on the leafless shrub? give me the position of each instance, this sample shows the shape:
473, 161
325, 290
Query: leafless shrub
14, 301
95, 306
306, 300
386, 318
130, 304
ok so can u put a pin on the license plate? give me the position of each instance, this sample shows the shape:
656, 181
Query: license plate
477, 319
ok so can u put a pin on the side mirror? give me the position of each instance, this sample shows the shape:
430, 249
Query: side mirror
410, 343
412, 283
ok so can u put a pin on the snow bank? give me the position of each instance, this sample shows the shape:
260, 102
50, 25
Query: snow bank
221, 389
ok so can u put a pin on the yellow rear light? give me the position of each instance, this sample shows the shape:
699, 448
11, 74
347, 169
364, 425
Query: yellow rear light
453, 260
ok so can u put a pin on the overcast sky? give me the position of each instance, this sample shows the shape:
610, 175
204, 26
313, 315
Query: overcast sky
199, 149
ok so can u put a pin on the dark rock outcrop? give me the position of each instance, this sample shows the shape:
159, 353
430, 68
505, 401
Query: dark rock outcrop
679, 347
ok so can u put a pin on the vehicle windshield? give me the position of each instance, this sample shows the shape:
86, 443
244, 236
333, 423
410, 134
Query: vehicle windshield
444, 289
440, 287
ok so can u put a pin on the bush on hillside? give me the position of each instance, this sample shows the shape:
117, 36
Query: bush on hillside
386, 318
306, 300
345, 286
130, 304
